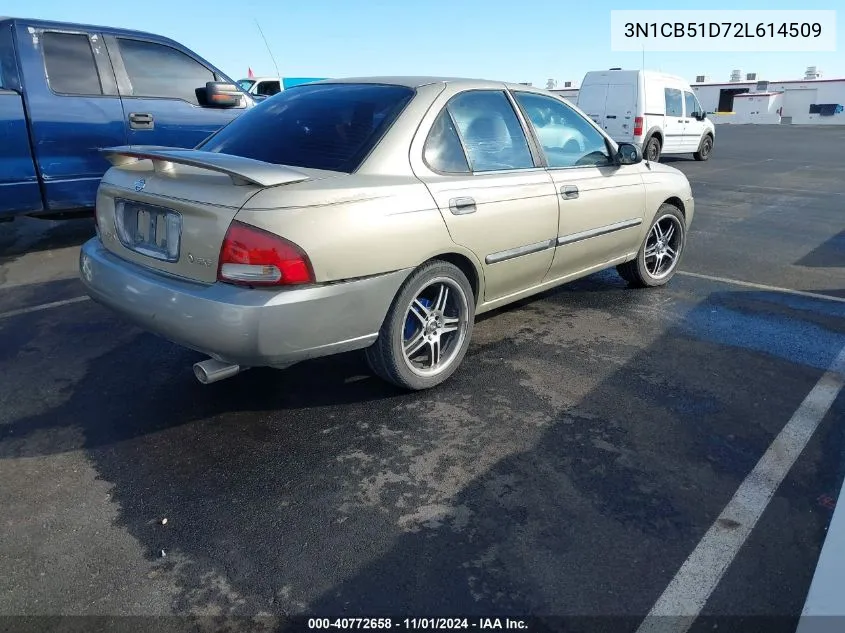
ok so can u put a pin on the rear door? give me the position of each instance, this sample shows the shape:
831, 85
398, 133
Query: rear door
159, 86
19, 188
592, 99
673, 123
475, 159
74, 109
620, 111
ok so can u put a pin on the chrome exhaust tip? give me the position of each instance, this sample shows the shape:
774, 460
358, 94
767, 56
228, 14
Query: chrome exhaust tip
211, 370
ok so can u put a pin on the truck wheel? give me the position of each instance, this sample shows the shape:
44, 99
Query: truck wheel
661, 250
652, 149
705, 149
427, 330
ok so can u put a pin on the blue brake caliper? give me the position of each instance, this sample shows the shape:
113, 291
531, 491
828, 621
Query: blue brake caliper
412, 323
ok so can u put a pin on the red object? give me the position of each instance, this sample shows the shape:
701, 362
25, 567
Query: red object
638, 126
251, 246
251, 75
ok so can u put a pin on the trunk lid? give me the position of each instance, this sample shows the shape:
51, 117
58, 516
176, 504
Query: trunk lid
169, 210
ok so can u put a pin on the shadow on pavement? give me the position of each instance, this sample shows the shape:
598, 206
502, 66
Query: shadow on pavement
831, 254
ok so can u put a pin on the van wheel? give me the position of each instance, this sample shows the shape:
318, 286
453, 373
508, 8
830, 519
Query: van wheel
705, 149
661, 250
652, 149
427, 330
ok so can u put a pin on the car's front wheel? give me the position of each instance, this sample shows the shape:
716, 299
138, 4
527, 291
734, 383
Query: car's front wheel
657, 260
427, 330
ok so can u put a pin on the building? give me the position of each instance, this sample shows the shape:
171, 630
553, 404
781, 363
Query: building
811, 100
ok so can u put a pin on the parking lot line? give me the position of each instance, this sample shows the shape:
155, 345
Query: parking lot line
748, 284
43, 306
689, 590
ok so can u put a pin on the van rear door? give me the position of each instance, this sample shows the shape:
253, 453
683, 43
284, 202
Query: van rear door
592, 99
619, 112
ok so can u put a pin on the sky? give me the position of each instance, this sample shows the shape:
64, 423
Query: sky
491, 39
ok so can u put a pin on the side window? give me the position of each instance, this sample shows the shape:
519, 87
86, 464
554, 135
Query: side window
70, 65
443, 151
156, 70
567, 138
269, 88
674, 102
691, 103
491, 132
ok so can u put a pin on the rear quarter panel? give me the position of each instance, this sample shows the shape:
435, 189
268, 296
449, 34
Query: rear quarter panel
355, 226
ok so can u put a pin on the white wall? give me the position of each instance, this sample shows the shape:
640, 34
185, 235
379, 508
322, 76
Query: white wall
759, 109
795, 104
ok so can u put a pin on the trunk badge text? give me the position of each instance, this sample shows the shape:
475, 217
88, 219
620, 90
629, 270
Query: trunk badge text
202, 261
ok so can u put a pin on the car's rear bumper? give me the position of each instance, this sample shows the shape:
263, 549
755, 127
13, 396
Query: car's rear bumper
237, 325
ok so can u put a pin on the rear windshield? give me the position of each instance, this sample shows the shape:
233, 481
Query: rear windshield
325, 126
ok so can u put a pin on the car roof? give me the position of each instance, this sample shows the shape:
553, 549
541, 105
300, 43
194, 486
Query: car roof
412, 81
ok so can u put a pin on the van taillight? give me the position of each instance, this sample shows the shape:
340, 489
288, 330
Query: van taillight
253, 257
638, 126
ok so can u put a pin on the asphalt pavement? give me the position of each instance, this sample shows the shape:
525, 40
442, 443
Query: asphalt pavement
591, 438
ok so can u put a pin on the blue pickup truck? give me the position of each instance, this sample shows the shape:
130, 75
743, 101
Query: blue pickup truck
68, 90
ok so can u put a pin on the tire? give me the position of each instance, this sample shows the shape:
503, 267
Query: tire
418, 318
651, 150
705, 148
649, 271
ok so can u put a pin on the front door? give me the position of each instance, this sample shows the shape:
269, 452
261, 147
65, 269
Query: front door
601, 204
495, 200
158, 86
694, 125
673, 122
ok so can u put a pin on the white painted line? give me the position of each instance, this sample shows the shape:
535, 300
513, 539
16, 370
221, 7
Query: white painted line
686, 595
748, 284
825, 595
43, 306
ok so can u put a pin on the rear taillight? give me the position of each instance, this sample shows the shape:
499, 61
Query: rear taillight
253, 257
638, 126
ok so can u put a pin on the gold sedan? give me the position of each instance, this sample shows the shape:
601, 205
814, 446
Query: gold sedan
379, 214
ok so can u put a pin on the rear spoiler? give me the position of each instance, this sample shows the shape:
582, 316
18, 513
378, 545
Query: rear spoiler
242, 171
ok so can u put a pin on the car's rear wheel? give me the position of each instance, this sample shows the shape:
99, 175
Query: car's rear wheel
427, 330
652, 149
657, 260
705, 149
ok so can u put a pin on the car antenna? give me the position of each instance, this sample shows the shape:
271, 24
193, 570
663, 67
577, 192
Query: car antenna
647, 162
278, 74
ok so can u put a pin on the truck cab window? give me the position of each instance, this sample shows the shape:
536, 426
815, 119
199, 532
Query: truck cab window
70, 65
160, 71
269, 88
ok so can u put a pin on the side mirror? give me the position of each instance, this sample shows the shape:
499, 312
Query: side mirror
219, 94
629, 154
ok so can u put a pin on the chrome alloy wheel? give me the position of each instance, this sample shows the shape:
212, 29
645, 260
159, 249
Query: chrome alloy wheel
435, 327
663, 246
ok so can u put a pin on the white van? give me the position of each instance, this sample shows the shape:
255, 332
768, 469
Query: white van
656, 111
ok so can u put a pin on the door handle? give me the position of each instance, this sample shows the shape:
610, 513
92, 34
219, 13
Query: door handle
610, 116
141, 121
462, 206
569, 192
